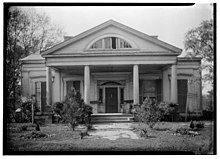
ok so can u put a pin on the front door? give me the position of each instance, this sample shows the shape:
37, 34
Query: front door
111, 100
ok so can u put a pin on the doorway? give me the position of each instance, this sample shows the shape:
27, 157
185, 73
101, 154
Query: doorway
111, 100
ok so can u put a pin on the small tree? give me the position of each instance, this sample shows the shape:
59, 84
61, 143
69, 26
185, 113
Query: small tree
74, 110
150, 112
199, 42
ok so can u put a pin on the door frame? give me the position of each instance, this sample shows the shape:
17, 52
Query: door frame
118, 92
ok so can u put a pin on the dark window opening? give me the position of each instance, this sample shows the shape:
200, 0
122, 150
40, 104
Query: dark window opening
101, 95
76, 85
72, 84
40, 92
182, 88
113, 43
121, 94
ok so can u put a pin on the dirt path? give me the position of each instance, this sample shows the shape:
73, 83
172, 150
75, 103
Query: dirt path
113, 131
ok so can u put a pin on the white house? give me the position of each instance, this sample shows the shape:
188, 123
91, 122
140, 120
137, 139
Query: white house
110, 64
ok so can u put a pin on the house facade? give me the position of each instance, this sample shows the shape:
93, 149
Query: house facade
112, 64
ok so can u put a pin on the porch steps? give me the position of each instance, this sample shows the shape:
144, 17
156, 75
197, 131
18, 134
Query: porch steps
111, 118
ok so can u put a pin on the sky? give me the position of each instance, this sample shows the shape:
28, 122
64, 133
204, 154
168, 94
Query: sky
170, 24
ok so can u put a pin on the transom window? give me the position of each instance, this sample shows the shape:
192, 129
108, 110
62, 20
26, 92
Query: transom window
111, 43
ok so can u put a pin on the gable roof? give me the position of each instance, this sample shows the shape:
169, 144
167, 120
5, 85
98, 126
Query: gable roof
152, 39
33, 57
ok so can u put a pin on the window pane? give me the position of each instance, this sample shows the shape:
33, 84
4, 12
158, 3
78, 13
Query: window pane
38, 94
124, 44
76, 85
72, 84
107, 43
101, 95
149, 88
97, 44
69, 84
121, 95
113, 43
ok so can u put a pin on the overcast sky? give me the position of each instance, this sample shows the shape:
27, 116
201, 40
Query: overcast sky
169, 23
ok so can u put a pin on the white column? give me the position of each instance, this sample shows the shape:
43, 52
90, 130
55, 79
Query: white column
48, 85
173, 84
87, 85
57, 87
135, 84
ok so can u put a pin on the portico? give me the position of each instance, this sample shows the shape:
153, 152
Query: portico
102, 81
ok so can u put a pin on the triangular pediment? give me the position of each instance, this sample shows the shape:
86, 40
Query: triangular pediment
139, 41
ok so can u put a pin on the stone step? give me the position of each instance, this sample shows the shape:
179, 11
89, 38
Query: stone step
112, 115
110, 121
111, 118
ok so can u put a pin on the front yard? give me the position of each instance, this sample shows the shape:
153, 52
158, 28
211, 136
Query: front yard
60, 137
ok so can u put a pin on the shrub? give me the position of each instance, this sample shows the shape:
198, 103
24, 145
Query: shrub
73, 110
150, 112
200, 124
58, 111
22, 128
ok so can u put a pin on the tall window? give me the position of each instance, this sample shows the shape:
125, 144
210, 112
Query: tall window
110, 43
151, 89
72, 84
182, 88
40, 92
101, 95
121, 95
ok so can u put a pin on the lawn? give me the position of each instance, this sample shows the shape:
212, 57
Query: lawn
60, 137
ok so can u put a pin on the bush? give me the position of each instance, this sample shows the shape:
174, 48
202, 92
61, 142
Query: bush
150, 112
22, 128
73, 110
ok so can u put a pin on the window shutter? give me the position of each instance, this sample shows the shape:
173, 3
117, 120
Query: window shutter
182, 90
38, 94
43, 95
159, 90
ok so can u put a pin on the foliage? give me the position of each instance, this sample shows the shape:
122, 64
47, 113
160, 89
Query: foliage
208, 101
184, 131
22, 128
196, 125
200, 124
57, 108
144, 133
199, 42
34, 135
26, 110
27, 32
74, 110
150, 112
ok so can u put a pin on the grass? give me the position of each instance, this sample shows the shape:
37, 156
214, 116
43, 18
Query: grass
61, 138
